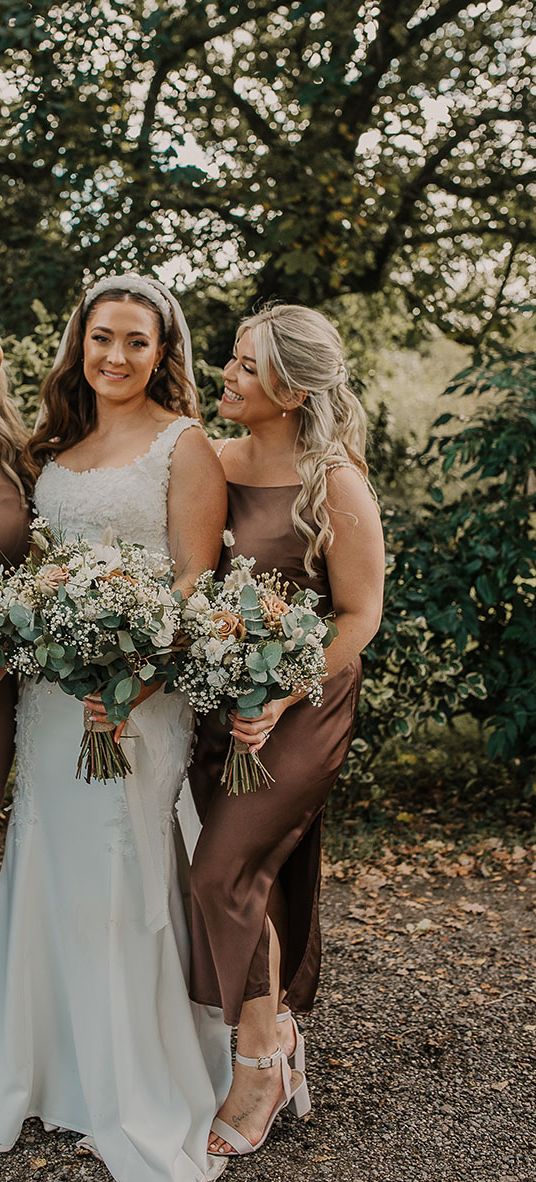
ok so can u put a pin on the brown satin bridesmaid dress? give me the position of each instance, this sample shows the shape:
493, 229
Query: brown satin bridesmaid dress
13, 546
249, 842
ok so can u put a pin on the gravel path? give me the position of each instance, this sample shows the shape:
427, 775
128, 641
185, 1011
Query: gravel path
420, 1053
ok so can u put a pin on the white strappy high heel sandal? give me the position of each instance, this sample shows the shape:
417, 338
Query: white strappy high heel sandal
295, 1098
297, 1058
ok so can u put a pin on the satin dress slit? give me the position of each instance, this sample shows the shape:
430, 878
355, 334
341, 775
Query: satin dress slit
250, 842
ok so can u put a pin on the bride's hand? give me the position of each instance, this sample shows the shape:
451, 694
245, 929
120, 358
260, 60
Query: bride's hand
256, 731
95, 705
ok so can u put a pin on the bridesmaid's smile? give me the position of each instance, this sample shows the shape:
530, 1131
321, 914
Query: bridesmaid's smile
243, 396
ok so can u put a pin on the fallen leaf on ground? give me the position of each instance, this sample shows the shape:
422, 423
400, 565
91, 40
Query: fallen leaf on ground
472, 908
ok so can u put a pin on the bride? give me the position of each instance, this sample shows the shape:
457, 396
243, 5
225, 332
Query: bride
97, 1033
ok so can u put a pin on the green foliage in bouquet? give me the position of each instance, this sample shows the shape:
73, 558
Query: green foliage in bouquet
458, 636
90, 618
249, 643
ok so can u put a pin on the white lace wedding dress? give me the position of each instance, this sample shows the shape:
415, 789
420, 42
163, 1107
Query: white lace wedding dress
97, 1033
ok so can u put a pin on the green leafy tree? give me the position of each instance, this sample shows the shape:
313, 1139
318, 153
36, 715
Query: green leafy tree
314, 147
458, 636
30, 358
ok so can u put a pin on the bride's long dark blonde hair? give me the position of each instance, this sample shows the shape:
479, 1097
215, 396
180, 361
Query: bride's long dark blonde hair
68, 410
13, 438
304, 351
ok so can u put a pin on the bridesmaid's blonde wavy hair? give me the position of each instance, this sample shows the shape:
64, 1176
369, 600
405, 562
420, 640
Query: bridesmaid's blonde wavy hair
13, 437
298, 349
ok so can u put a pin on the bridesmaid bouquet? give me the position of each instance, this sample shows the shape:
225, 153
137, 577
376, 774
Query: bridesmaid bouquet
90, 618
249, 644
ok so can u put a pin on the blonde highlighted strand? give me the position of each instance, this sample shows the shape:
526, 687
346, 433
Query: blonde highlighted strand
13, 438
300, 363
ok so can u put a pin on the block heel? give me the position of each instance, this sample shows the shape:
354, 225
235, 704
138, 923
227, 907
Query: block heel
300, 1104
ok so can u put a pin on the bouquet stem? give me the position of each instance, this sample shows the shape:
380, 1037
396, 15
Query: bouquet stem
101, 758
244, 772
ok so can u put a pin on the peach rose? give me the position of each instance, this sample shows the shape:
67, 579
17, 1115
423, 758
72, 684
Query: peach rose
50, 577
274, 606
229, 625
118, 574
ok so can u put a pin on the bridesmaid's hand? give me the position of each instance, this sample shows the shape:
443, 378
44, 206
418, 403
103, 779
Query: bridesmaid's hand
256, 731
95, 705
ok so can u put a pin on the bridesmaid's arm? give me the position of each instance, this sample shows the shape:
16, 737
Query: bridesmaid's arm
355, 563
356, 566
197, 508
13, 523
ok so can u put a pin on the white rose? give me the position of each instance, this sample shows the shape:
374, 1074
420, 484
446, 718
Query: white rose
214, 650
108, 558
164, 637
217, 679
196, 605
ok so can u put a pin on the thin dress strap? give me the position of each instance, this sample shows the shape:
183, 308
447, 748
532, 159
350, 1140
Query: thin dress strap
348, 464
223, 443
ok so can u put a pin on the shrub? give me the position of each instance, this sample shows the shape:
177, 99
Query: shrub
458, 636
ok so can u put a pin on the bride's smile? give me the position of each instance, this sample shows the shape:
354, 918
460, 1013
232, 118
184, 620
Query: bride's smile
119, 352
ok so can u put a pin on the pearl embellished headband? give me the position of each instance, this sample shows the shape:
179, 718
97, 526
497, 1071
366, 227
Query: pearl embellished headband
137, 284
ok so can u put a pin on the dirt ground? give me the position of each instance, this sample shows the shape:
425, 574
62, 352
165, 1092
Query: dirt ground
421, 1048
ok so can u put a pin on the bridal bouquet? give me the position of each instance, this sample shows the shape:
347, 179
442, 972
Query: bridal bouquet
249, 644
90, 618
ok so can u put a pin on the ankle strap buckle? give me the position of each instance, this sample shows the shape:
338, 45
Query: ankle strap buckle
265, 1061
262, 1062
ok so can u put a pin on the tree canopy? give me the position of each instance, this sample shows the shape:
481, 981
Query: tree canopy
314, 148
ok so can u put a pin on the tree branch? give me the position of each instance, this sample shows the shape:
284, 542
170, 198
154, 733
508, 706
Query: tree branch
432, 23
460, 335
257, 123
488, 324
492, 183
518, 233
193, 38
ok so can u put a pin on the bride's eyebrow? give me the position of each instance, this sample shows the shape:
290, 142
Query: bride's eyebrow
102, 328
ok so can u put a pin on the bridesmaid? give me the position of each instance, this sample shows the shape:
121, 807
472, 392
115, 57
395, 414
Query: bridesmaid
300, 501
14, 487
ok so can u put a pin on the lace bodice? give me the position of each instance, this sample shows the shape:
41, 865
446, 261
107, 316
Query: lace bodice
131, 499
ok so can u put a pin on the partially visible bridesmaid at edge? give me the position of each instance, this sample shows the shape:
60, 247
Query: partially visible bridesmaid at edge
15, 486
299, 501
